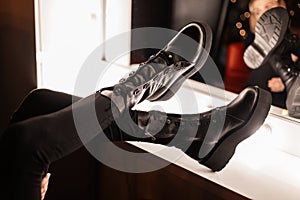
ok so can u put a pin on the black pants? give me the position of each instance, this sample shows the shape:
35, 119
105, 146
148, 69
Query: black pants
42, 130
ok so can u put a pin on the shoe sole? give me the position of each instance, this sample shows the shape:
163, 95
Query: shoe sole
175, 86
269, 33
293, 99
225, 148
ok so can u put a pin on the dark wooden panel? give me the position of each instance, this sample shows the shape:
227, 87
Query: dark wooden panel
170, 182
73, 177
17, 55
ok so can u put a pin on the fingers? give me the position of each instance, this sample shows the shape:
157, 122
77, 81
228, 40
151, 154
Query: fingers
44, 185
276, 85
294, 58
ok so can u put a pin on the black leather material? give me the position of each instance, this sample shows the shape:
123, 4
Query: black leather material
285, 67
282, 62
286, 70
289, 74
163, 74
200, 135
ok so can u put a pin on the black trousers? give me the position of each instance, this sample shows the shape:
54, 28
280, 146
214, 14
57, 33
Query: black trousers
43, 130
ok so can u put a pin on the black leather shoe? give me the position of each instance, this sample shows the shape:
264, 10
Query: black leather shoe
282, 63
270, 31
289, 74
293, 98
210, 137
164, 73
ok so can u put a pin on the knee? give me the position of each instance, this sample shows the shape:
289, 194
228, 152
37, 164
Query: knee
33, 99
39, 93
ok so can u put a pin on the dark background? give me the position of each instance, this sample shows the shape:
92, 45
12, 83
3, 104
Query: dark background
222, 16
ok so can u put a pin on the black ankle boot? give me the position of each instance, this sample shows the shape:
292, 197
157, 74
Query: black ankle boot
164, 73
289, 74
270, 31
286, 69
282, 63
210, 137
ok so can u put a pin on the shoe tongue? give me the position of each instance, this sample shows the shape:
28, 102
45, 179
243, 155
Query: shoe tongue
179, 54
169, 57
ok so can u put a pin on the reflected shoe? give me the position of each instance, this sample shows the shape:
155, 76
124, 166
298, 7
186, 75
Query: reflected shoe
164, 73
270, 31
289, 74
210, 137
293, 98
282, 63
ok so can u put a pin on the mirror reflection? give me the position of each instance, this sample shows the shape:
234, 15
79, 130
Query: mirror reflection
271, 62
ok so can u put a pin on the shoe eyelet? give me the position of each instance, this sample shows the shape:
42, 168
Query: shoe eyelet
167, 71
177, 123
131, 73
122, 80
141, 64
155, 78
136, 92
178, 66
117, 91
146, 85
168, 121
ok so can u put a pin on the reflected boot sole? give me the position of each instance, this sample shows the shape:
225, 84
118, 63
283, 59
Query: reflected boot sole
220, 155
270, 30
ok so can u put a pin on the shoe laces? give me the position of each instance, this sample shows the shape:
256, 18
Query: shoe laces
153, 65
147, 70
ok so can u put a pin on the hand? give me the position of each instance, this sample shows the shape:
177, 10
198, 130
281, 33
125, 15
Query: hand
276, 85
44, 185
294, 58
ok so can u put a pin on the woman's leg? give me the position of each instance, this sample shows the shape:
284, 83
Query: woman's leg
28, 147
41, 102
31, 145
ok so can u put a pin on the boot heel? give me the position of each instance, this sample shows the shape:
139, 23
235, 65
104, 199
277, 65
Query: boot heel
224, 150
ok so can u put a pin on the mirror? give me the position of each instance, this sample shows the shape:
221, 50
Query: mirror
229, 21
